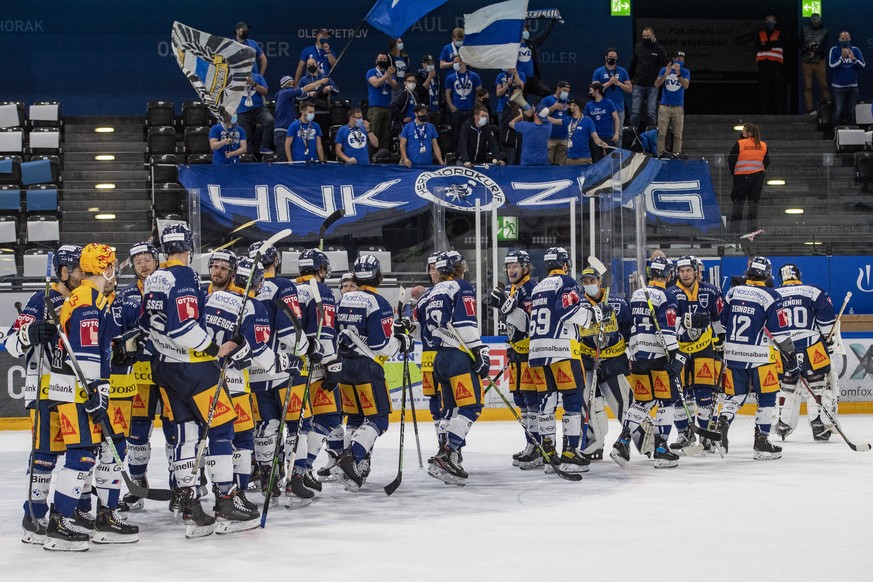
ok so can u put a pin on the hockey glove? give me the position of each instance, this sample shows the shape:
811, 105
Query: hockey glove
509, 305
718, 344
497, 298
792, 364
482, 361
126, 347
241, 355
316, 351
402, 326
512, 356
698, 320
831, 344
286, 362
35, 333
407, 344
676, 363
98, 401
333, 370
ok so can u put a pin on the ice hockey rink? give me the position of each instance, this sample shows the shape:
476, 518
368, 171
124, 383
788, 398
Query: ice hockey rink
807, 516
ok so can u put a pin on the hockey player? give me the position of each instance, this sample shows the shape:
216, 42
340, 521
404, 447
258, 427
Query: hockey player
612, 384
324, 411
514, 304
222, 269
751, 311
429, 387
268, 386
656, 364
366, 337
184, 364
449, 323
30, 331
700, 329
81, 401
811, 318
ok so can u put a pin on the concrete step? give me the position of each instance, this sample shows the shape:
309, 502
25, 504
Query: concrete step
122, 239
106, 166
95, 120
82, 221
88, 156
97, 197
108, 205
109, 148
76, 174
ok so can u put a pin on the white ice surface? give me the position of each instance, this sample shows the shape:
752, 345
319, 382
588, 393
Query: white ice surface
805, 517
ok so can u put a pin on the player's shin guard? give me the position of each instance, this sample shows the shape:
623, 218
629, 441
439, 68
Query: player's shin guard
139, 448
243, 446
70, 481
107, 476
546, 417
265, 443
680, 417
220, 459
460, 424
363, 440
187, 434
705, 402
664, 418
788, 409
765, 412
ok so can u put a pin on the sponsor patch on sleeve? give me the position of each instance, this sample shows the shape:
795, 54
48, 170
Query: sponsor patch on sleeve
568, 299
388, 326
470, 306
187, 308
671, 317
89, 333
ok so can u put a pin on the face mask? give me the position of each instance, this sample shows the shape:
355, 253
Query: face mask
312, 69
846, 43
648, 41
359, 123
233, 119
611, 61
564, 95
410, 86
457, 66
482, 121
422, 117
458, 43
310, 116
591, 290
399, 46
525, 34
429, 68
382, 64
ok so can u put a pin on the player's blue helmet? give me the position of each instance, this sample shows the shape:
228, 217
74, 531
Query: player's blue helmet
66, 256
311, 261
176, 238
688, 261
143, 247
517, 256
789, 272
661, 267
270, 255
224, 255
367, 270
556, 258
244, 266
760, 268
431, 260
447, 262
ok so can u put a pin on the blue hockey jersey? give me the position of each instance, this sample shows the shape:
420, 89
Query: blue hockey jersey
449, 316
645, 343
811, 314
700, 297
557, 312
749, 309
365, 324
518, 320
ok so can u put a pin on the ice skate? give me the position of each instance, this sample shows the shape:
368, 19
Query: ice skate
245, 501
722, 428
528, 449
324, 474
764, 449
62, 536
276, 493
686, 444
130, 502
297, 493
532, 459
620, 452
109, 529
83, 522
595, 456
346, 471
447, 468
197, 522
664, 458
782, 430
232, 516
820, 432
34, 531
311, 482
572, 461
550, 456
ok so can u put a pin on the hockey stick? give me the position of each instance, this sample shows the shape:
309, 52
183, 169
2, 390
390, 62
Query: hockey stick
860, 448
711, 435
328, 222
41, 357
719, 386
280, 437
134, 488
18, 303
839, 316
201, 447
393, 485
598, 342
400, 305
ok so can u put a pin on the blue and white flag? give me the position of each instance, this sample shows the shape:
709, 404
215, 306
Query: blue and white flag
394, 17
492, 35
636, 172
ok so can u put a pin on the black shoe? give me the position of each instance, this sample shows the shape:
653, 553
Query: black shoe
311, 482
109, 529
62, 534
764, 449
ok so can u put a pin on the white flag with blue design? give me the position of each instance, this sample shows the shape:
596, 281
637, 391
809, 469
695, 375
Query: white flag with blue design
492, 35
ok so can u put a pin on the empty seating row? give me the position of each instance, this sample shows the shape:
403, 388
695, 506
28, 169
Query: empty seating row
33, 263
38, 228
38, 198
39, 140
162, 140
41, 169
194, 113
39, 114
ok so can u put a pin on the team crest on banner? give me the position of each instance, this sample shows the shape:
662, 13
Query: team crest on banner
459, 188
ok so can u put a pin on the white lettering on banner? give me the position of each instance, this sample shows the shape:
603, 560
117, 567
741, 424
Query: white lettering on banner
367, 198
864, 280
687, 194
259, 202
546, 189
11, 388
285, 195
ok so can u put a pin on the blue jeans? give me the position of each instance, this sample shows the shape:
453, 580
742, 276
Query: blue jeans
650, 96
845, 98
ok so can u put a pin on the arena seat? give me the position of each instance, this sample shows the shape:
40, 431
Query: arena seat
11, 140
194, 113
43, 169
35, 262
338, 257
41, 198
199, 159
44, 140
163, 168
161, 140
11, 114
167, 198
44, 114
9, 230
10, 170
160, 113
7, 263
378, 251
43, 228
197, 140
289, 266
10, 199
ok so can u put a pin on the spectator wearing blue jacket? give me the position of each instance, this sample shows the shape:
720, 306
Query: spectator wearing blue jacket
845, 62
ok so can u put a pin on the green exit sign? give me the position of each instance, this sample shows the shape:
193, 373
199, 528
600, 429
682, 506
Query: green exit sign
810, 7
622, 7
507, 228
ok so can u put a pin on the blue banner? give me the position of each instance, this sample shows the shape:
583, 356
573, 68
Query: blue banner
682, 193
394, 17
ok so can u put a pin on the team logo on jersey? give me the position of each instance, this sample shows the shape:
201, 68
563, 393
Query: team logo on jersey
329, 319
262, 333
387, 326
22, 319
321, 398
187, 308
470, 306
88, 333
703, 300
719, 304
67, 427
568, 299
292, 302
118, 419
459, 188
784, 317
671, 317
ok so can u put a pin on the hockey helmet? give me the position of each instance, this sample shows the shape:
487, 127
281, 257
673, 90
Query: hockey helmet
556, 258
270, 255
176, 238
661, 267
143, 247
244, 266
688, 261
519, 256
789, 272
447, 262
367, 269
311, 261
66, 256
96, 258
347, 277
224, 255
760, 268
431, 260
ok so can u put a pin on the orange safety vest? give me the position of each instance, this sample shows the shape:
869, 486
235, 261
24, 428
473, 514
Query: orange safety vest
774, 54
751, 158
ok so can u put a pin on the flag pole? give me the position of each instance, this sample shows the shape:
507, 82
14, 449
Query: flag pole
346, 48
